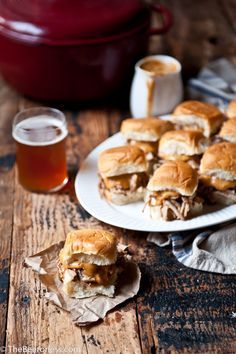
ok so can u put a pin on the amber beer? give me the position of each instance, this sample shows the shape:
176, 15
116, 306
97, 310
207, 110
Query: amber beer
40, 135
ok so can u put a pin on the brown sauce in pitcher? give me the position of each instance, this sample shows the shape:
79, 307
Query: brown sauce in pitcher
158, 68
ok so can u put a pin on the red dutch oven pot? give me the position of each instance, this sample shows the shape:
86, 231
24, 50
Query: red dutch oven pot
73, 50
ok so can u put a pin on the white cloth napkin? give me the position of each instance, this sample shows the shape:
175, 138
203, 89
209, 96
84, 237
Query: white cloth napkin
215, 83
211, 250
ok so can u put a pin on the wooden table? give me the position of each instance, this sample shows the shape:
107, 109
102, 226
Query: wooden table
177, 309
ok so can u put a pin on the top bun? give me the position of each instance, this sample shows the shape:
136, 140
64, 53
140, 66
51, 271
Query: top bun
231, 109
182, 142
205, 116
228, 130
121, 160
145, 129
146, 146
175, 176
219, 161
89, 246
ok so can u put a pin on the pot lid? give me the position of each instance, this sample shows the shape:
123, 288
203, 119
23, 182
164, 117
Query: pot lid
67, 19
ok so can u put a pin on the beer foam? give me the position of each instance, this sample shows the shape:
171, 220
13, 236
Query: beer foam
41, 130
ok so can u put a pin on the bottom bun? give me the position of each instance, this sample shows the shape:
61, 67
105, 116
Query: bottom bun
81, 290
155, 211
124, 198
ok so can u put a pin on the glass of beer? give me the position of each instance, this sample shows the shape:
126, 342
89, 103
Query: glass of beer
40, 135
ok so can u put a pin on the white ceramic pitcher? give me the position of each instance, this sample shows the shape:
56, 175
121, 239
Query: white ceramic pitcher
153, 95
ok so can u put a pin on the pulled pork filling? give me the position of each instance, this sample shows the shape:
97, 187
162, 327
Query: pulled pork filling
123, 183
215, 190
94, 274
172, 204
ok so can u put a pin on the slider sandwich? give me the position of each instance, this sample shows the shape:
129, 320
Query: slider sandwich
195, 115
228, 130
231, 109
123, 174
172, 192
89, 263
184, 145
145, 133
218, 173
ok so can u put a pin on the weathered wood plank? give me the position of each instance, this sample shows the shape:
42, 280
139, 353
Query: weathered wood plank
229, 10
183, 309
8, 108
6, 226
41, 220
38, 222
201, 33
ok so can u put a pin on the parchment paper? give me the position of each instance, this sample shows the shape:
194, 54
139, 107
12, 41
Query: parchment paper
88, 310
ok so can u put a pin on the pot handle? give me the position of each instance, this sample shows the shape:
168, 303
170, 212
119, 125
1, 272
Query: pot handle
167, 19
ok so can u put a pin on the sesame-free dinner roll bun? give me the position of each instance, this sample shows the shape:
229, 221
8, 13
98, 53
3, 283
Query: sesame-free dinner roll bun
231, 109
121, 160
228, 130
182, 142
144, 129
198, 115
147, 146
175, 176
219, 160
89, 246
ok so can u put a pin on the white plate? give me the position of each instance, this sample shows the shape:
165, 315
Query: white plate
131, 216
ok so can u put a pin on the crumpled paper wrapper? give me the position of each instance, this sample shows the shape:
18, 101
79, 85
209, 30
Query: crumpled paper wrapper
88, 310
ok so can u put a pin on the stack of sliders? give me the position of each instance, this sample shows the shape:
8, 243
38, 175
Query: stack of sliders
218, 173
180, 147
183, 145
145, 133
123, 174
89, 263
172, 192
231, 109
195, 115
